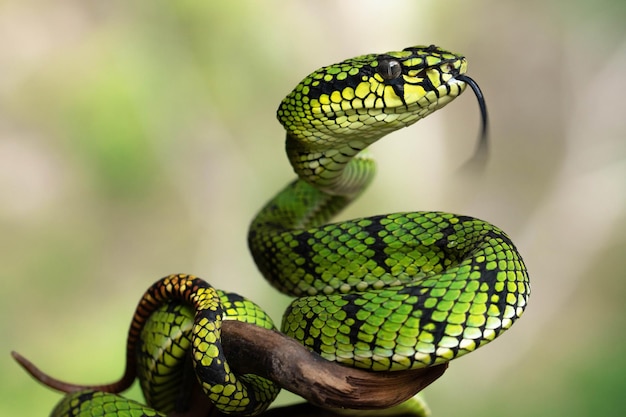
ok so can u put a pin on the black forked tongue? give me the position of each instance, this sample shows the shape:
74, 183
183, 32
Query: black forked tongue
480, 154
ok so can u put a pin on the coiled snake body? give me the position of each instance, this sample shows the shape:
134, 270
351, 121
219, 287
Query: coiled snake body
389, 292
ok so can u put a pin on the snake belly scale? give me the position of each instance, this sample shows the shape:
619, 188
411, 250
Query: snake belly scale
388, 292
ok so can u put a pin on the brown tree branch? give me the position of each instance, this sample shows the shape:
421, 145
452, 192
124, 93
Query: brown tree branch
307, 410
271, 354
252, 349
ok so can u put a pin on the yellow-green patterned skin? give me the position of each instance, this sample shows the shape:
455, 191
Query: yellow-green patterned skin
179, 317
101, 404
166, 337
339, 110
165, 340
388, 292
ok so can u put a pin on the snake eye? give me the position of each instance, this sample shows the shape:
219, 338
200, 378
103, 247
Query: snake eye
389, 69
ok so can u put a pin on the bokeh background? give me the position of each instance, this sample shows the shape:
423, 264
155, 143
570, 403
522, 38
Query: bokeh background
139, 139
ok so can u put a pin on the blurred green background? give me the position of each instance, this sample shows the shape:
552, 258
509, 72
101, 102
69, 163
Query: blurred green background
139, 139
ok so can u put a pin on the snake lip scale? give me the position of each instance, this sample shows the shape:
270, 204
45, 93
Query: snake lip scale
386, 293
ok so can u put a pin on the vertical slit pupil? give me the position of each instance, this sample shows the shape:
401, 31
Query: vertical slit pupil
389, 69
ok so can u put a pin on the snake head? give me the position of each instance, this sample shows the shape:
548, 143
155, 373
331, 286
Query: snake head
371, 95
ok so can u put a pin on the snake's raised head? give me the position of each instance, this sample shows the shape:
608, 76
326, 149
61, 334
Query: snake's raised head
343, 108
373, 94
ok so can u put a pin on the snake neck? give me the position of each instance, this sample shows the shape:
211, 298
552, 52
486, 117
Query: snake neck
328, 180
344, 170
298, 206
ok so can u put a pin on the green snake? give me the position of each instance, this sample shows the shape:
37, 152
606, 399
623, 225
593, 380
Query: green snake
389, 292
